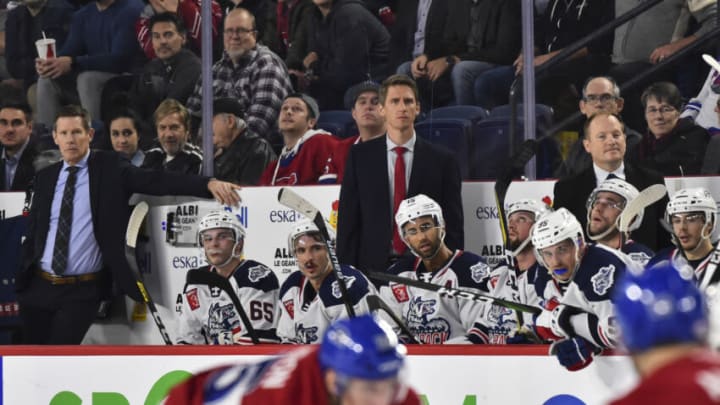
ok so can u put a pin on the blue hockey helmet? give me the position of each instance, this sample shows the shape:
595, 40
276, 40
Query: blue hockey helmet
660, 306
362, 347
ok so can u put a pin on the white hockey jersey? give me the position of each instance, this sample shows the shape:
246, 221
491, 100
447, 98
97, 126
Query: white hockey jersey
306, 313
207, 315
702, 278
431, 318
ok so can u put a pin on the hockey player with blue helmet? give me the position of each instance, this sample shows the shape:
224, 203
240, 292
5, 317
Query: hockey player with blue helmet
359, 361
663, 321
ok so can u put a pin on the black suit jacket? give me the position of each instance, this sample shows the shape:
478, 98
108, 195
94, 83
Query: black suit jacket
112, 181
364, 215
573, 192
25, 170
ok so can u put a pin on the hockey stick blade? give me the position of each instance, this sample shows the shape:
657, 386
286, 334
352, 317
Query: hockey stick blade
291, 199
376, 303
215, 280
710, 60
451, 292
131, 236
646, 198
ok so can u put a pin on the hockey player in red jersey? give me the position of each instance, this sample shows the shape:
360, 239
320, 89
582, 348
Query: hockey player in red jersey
359, 362
663, 320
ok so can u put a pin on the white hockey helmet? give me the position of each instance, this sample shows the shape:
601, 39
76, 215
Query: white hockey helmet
418, 206
692, 200
536, 207
553, 228
221, 220
305, 227
622, 188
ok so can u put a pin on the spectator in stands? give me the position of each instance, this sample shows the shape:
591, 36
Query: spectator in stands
249, 72
653, 36
672, 146
187, 11
126, 130
27, 23
347, 46
17, 150
703, 107
370, 123
100, 45
605, 141
306, 151
261, 9
172, 73
173, 152
287, 33
240, 155
600, 94
562, 23
423, 39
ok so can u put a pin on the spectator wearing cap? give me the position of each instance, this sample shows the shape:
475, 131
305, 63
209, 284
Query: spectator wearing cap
240, 154
365, 108
306, 152
173, 71
173, 153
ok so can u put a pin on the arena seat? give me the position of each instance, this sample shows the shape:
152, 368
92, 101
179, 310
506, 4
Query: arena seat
454, 134
338, 122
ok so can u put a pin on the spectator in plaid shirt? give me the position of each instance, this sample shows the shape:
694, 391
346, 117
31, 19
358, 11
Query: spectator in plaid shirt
249, 72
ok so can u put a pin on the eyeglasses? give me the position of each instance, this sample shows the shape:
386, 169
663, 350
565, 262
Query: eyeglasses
603, 98
422, 228
690, 219
666, 109
237, 31
606, 203
16, 123
221, 237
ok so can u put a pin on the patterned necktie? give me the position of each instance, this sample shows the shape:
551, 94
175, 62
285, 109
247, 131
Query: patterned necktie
62, 237
398, 196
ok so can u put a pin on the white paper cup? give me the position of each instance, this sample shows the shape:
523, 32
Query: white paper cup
46, 48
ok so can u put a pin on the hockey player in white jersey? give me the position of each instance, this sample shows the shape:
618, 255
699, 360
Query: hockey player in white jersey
604, 207
692, 213
311, 299
433, 319
514, 278
581, 324
207, 314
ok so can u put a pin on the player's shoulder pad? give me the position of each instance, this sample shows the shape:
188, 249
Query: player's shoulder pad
599, 271
293, 280
539, 277
356, 282
472, 271
399, 268
662, 254
187, 275
637, 252
256, 275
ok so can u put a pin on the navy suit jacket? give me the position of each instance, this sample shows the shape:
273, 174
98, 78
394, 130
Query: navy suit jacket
364, 215
573, 192
25, 170
112, 181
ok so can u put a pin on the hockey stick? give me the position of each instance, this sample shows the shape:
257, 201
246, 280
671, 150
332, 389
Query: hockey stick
451, 292
133, 230
291, 199
710, 60
646, 198
377, 303
211, 279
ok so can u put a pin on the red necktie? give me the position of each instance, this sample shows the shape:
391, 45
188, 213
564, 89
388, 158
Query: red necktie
398, 196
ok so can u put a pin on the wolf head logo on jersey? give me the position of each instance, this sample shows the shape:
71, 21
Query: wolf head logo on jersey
306, 335
336, 287
221, 318
257, 273
433, 331
419, 310
479, 271
603, 279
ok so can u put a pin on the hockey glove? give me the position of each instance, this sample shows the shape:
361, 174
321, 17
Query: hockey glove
574, 354
544, 324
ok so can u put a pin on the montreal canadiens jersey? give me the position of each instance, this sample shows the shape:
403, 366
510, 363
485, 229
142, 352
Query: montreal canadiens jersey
342, 149
591, 289
207, 315
305, 163
431, 318
306, 313
293, 378
508, 283
700, 267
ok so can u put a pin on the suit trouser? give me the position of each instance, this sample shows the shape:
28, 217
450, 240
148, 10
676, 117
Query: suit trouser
58, 314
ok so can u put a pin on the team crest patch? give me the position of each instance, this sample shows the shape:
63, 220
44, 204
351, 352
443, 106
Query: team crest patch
336, 287
192, 299
400, 292
290, 308
479, 272
640, 258
603, 279
257, 273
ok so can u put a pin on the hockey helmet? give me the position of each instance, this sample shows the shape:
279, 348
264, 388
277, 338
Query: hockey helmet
660, 306
692, 200
220, 220
622, 188
553, 228
362, 347
305, 227
537, 208
418, 206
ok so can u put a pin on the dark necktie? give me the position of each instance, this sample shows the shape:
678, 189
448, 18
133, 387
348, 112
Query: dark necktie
612, 176
62, 237
398, 196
